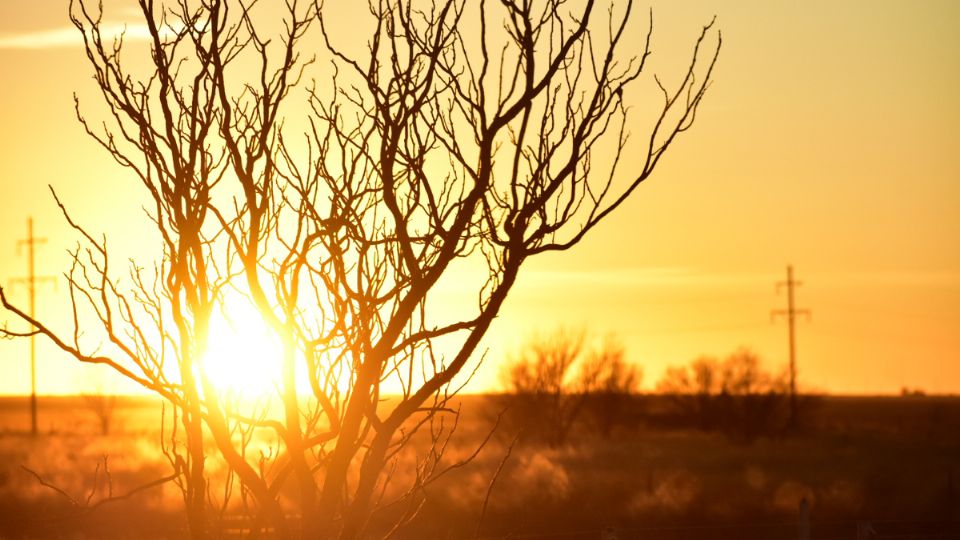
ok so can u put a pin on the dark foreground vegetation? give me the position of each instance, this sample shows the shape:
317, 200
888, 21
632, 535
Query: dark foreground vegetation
659, 472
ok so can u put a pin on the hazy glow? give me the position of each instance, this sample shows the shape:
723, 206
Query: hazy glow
70, 37
243, 356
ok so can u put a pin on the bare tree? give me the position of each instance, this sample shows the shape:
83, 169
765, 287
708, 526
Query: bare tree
435, 148
542, 388
102, 406
610, 384
694, 388
735, 394
557, 377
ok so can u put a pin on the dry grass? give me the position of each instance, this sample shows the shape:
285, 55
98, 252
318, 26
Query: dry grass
857, 458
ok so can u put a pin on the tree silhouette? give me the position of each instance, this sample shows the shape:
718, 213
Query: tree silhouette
610, 384
541, 385
438, 147
735, 394
556, 378
102, 406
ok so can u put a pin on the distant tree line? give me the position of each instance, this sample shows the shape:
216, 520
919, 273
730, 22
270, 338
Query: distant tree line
564, 382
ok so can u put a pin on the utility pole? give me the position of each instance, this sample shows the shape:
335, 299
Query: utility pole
791, 314
31, 281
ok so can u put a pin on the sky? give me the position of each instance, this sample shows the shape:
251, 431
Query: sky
828, 141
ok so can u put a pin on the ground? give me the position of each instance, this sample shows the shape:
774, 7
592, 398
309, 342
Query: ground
891, 461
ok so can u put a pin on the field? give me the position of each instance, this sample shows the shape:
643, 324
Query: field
890, 461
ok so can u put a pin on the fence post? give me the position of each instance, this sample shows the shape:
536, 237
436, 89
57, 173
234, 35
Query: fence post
803, 524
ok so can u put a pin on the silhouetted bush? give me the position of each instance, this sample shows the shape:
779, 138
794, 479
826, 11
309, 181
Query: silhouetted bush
556, 381
102, 406
734, 395
609, 383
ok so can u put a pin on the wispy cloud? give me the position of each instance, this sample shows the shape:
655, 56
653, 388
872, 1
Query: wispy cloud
687, 276
69, 36
628, 277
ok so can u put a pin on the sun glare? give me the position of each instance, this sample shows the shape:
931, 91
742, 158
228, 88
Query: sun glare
243, 356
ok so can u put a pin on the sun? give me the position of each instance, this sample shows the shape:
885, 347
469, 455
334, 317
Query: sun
243, 357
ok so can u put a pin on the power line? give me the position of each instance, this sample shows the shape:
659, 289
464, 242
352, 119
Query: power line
31, 282
791, 314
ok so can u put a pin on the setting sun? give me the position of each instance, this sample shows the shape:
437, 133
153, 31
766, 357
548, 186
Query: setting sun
243, 356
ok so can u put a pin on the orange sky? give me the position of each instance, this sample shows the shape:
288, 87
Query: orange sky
829, 140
